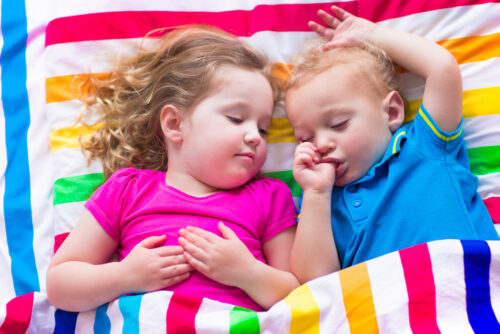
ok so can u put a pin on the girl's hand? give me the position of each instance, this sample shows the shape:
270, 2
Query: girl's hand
150, 266
343, 30
309, 172
226, 260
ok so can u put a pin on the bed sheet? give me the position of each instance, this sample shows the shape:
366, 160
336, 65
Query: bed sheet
48, 47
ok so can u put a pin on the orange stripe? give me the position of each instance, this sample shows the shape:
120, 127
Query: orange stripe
69, 87
473, 48
358, 299
465, 50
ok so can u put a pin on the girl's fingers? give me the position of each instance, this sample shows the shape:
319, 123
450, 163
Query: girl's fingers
169, 250
174, 280
192, 249
197, 237
195, 263
176, 270
209, 236
173, 260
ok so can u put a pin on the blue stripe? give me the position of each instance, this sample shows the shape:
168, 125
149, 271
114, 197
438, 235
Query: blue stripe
17, 202
130, 307
102, 324
477, 259
65, 322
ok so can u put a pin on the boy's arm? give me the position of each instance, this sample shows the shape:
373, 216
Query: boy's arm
443, 88
80, 277
314, 252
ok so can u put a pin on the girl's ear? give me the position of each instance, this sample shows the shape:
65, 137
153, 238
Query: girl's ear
171, 119
394, 107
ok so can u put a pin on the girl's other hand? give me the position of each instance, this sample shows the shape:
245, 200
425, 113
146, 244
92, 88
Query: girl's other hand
226, 260
309, 172
343, 30
150, 266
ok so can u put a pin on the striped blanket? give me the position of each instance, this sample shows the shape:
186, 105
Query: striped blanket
448, 286
48, 48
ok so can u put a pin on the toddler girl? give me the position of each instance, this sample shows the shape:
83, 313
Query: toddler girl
201, 103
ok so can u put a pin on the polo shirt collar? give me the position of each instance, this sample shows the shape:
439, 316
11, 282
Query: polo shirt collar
392, 149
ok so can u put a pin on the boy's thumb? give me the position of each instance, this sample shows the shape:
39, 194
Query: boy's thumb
153, 241
226, 232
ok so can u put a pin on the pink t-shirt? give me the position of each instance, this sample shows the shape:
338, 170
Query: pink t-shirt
135, 204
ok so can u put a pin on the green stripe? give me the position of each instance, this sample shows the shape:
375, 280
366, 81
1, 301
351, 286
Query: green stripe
287, 177
484, 160
242, 320
76, 188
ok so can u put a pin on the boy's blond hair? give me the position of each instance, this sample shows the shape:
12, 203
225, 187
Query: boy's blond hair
178, 72
373, 64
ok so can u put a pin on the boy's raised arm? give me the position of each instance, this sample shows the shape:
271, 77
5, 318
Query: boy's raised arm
443, 82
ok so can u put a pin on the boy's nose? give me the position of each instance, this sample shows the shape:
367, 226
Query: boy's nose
325, 146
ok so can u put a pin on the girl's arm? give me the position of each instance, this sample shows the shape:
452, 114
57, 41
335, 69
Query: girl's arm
443, 81
228, 261
80, 276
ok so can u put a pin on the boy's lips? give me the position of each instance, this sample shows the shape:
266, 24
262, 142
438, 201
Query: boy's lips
340, 166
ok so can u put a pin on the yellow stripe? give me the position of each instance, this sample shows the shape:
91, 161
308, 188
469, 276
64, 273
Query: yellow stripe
280, 131
305, 311
69, 137
436, 131
473, 48
476, 102
358, 299
396, 141
68, 87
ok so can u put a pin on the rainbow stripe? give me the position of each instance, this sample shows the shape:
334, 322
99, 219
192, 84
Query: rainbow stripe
370, 297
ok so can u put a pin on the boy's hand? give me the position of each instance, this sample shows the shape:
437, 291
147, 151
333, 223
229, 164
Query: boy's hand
309, 172
226, 260
150, 266
345, 30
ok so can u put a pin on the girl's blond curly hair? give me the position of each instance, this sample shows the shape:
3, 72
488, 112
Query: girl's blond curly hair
178, 72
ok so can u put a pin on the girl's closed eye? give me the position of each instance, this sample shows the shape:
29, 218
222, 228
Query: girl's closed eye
235, 119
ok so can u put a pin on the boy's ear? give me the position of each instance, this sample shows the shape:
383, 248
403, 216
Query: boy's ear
171, 119
394, 107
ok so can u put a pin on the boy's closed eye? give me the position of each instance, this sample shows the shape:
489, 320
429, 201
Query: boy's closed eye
340, 125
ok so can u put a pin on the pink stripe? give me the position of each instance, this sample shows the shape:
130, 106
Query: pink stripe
419, 279
59, 239
117, 25
493, 206
18, 315
383, 10
181, 314
284, 17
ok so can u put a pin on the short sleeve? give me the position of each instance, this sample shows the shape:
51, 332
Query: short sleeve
109, 200
281, 209
431, 140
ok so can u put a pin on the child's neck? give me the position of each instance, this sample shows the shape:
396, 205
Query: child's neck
188, 184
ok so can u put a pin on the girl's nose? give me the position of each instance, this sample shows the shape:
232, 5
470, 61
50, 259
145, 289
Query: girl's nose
253, 137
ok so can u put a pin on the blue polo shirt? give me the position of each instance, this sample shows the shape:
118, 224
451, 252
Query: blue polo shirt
421, 190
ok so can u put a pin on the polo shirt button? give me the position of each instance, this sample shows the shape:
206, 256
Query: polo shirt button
356, 203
